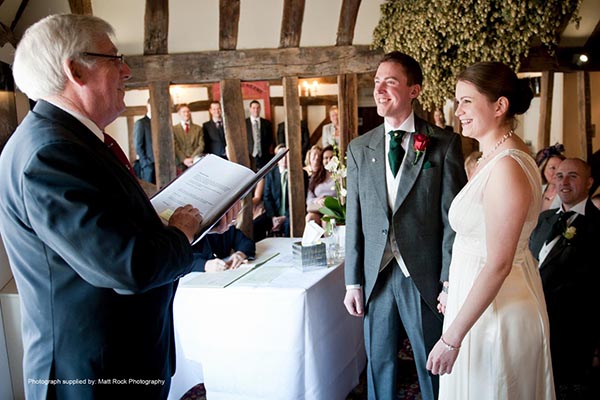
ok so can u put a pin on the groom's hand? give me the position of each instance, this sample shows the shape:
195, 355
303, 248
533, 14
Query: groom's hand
354, 302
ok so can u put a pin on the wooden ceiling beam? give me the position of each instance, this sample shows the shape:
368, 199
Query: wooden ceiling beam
83, 7
213, 66
291, 23
6, 36
156, 27
229, 21
347, 23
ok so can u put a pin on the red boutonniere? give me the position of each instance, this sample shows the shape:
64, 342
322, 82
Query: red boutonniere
420, 145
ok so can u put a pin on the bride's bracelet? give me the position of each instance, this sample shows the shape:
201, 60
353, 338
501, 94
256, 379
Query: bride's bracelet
449, 347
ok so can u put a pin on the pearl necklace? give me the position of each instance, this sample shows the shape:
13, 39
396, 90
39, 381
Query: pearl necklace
498, 143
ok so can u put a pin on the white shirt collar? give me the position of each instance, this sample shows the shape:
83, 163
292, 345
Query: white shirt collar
579, 208
185, 122
254, 119
83, 119
408, 125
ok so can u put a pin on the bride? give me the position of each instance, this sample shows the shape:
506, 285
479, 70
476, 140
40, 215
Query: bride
495, 342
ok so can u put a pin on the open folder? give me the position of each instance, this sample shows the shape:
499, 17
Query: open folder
212, 185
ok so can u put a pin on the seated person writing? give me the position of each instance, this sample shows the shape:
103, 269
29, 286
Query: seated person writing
222, 246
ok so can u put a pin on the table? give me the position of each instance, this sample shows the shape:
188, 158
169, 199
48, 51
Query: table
281, 334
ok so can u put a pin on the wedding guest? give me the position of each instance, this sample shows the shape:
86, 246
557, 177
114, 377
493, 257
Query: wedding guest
495, 340
548, 160
260, 136
142, 138
398, 239
304, 136
261, 223
276, 196
313, 160
230, 250
188, 139
440, 121
95, 267
213, 131
320, 185
331, 131
565, 241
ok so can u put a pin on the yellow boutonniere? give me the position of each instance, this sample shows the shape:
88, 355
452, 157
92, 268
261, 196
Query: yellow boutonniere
570, 232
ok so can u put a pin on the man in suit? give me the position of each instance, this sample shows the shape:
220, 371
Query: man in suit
305, 136
565, 241
398, 239
260, 137
189, 140
275, 195
214, 132
95, 267
142, 138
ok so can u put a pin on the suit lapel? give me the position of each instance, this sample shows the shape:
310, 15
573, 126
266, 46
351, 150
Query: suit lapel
580, 225
410, 172
375, 158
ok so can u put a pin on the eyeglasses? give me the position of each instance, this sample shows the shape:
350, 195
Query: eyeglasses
119, 57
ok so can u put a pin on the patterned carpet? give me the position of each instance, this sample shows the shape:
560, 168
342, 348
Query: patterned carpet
408, 387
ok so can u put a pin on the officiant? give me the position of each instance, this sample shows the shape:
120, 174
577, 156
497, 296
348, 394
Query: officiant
95, 267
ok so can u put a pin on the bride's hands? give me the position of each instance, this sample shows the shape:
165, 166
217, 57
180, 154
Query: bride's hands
442, 299
442, 358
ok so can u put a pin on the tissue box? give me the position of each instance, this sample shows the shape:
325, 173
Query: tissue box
309, 257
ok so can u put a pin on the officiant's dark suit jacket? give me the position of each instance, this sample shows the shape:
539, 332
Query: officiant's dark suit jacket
420, 215
570, 275
95, 267
266, 142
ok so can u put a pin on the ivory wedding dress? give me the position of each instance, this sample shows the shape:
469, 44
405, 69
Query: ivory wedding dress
506, 354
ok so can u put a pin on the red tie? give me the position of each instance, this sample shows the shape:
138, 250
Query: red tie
114, 147
187, 128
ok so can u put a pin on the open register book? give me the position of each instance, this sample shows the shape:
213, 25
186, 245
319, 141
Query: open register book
212, 185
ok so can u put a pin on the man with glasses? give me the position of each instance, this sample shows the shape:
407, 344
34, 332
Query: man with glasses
95, 267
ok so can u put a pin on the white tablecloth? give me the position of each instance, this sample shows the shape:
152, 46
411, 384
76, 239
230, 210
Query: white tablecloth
290, 338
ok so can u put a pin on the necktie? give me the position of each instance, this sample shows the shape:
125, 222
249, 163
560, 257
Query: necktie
559, 226
219, 125
256, 152
114, 147
187, 127
284, 182
396, 153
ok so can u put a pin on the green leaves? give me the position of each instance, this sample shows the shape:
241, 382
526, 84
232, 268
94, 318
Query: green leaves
332, 209
446, 36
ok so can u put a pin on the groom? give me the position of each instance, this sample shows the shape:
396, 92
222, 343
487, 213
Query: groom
398, 239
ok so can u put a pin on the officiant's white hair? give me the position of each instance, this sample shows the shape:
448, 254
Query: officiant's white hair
38, 66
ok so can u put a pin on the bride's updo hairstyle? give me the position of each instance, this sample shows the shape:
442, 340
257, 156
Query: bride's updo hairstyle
495, 80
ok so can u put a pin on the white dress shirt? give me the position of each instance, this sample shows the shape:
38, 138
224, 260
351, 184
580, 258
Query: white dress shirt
392, 184
578, 208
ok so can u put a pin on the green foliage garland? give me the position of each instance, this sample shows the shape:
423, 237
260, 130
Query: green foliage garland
446, 36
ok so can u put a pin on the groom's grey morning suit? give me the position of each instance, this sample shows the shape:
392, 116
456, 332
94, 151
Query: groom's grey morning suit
422, 236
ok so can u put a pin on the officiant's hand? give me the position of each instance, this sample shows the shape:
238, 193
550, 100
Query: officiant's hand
187, 219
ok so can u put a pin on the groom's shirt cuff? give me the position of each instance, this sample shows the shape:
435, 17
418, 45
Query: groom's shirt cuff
356, 286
